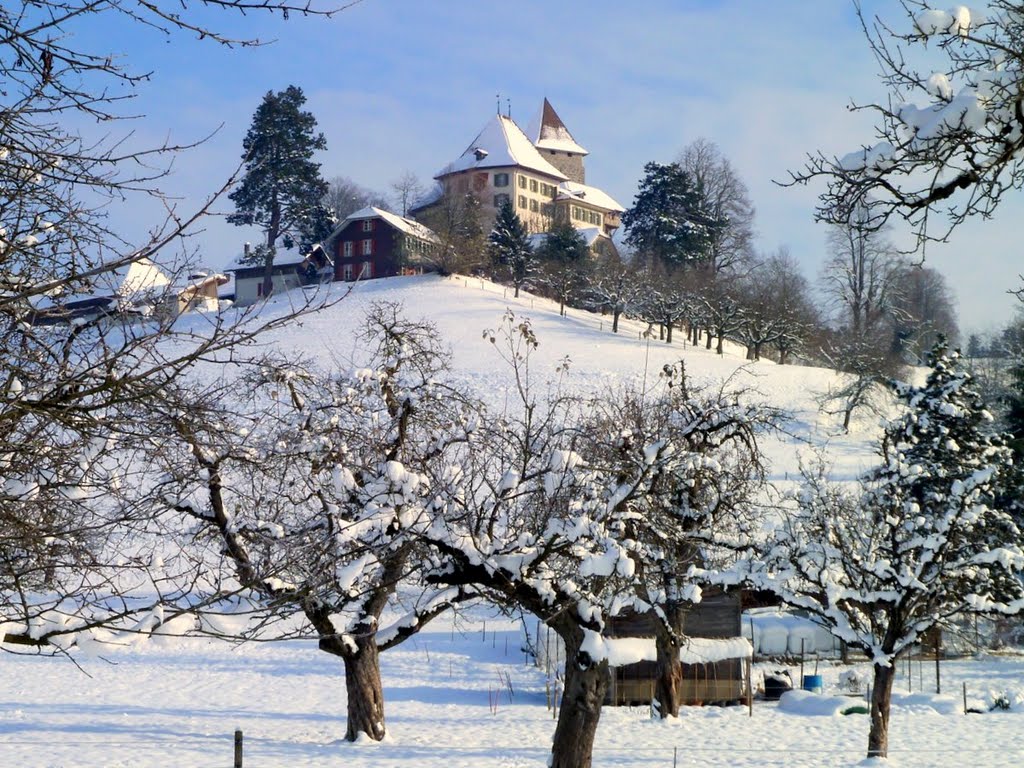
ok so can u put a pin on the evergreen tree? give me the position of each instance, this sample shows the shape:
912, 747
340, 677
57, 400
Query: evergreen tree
922, 542
565, 263
509, 247
282, 188
669, 220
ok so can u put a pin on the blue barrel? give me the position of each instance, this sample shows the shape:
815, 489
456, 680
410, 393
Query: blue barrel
813, 683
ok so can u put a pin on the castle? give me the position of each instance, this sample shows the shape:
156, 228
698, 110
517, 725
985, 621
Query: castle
540, 171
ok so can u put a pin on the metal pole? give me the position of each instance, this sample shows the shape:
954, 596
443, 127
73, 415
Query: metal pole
238, 748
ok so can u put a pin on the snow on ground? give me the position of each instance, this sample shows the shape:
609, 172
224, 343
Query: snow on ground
176, 702
179, 704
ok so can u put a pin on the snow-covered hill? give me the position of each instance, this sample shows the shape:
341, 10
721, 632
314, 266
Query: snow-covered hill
462, 695
463, 308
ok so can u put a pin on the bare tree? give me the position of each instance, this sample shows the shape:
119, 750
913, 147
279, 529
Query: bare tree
614, 287
300, 505
728, 200
862, 277
948, 128
407, 189
81, 388
344, 197
457, 221
924, 311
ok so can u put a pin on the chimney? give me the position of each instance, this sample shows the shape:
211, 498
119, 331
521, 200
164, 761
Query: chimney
246, 250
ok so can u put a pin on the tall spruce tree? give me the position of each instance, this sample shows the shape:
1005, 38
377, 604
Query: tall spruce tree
282, 190
510, 247
670, 220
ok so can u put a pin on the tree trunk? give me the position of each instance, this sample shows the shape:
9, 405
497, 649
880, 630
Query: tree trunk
365, 692
668, 335
881, 698
708, 340
273, 230
720, 349
517, 291
669, 688
585, 687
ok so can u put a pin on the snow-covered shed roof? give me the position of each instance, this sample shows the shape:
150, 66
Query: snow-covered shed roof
501, 143
402, 224
547, 131
573, 190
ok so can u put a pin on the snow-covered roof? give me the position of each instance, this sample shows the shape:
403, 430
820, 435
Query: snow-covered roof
590, 236
502, 143
402, 224
547, 131
139, 277
573, 190
620, 651
283, 257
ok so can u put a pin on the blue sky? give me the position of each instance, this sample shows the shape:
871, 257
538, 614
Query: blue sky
402, 85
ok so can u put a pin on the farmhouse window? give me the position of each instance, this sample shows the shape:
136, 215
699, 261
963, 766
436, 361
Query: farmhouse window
368, 225
346, 249
367, 247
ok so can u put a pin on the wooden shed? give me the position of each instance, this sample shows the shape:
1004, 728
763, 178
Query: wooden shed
713, 659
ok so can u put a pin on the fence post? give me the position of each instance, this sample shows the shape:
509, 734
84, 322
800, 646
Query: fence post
238, 748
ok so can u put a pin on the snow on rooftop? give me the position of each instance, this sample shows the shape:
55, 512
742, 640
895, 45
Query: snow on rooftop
547, 131
573, 190
500, 144
590, 236
402, 224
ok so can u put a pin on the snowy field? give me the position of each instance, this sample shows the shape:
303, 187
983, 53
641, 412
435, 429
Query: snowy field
176, 702
178, 705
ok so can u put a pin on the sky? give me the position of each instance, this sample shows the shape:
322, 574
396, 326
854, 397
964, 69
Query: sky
405, 85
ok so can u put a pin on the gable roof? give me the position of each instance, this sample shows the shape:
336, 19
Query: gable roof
402, 224
501, 143
547, 131
573, 190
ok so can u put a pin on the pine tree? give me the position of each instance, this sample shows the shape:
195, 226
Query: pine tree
669, 220
510, 247
282, 188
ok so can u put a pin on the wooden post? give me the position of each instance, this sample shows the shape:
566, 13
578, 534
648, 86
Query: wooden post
238, 748
750, 685
675, 756
938, 648
965, 698
801, 663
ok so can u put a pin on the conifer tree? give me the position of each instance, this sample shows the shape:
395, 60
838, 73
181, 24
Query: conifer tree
565, 263
510, 247
669, 220
282, 190
921, 543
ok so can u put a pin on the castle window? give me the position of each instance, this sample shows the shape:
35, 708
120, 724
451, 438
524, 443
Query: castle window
533, 185
500, 200
522, 182
522, 201
501, 179
534, 206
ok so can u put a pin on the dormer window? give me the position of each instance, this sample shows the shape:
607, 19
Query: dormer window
479, 154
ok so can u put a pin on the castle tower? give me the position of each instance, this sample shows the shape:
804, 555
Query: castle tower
555, 144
